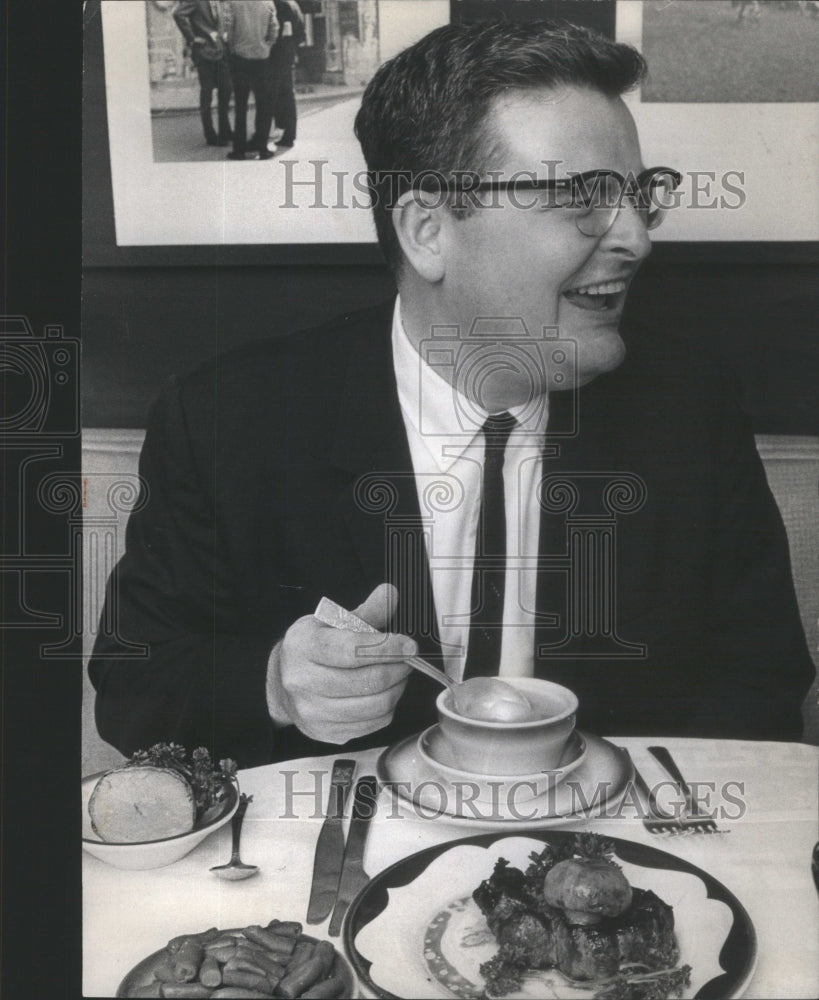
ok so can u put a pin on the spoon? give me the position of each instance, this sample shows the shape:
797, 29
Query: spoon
489, 699
486, 698
332, 614
465, 695
236, 869
483, 698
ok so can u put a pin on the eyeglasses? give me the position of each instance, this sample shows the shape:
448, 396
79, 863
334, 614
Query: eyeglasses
596, 196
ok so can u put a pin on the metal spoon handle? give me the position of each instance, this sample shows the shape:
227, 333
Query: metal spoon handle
332, 614
418, 663
236, 825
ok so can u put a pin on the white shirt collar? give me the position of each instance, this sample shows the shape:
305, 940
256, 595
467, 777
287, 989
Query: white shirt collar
448, 422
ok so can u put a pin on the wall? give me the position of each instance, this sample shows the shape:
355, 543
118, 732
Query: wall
142, 324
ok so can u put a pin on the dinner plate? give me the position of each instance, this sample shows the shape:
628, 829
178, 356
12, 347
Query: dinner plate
595, 788
415, 931
142, 973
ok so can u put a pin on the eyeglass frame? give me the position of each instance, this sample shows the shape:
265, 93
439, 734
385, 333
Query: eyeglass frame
572, 183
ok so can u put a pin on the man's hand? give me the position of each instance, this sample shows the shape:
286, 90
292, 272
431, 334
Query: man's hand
336, 685
196, 45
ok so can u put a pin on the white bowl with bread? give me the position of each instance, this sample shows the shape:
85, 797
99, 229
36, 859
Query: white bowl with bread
155, 809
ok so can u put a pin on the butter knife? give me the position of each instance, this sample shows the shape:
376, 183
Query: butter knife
330, 845
353, 876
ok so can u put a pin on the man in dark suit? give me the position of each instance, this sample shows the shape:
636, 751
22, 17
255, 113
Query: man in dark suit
200, 23
281, 73
644, 563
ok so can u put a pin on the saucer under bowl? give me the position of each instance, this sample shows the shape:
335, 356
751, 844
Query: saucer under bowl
488, 789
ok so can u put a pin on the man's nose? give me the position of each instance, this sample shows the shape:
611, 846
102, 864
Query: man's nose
628, 234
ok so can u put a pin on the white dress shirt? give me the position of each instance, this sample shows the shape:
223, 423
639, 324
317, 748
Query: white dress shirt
447, 448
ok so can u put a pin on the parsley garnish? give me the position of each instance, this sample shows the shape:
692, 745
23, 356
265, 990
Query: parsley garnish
208, 783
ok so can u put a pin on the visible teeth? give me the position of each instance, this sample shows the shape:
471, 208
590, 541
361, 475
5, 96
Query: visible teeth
605, 288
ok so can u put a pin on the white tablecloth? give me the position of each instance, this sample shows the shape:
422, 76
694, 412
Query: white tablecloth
764, 859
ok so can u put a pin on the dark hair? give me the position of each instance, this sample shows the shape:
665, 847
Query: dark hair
424, 110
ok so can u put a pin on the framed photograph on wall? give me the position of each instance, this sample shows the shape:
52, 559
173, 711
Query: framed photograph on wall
170, 188
732, 101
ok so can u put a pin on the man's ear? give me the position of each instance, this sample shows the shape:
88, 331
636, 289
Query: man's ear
417, 222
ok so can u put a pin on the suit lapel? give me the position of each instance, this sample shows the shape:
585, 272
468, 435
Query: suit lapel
379, 502
582, 457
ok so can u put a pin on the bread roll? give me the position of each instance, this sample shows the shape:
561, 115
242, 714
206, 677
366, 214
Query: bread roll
141, 803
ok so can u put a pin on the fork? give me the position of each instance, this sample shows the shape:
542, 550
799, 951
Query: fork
694, 820
658, 820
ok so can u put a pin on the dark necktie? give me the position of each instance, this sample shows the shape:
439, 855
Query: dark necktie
489, 571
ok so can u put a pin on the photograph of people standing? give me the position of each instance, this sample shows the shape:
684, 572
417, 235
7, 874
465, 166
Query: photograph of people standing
315, 68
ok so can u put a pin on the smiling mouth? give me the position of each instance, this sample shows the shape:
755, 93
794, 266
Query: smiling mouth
598, 297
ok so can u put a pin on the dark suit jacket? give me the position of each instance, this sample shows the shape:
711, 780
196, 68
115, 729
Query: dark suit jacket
195, 19
286, 46
282, 473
